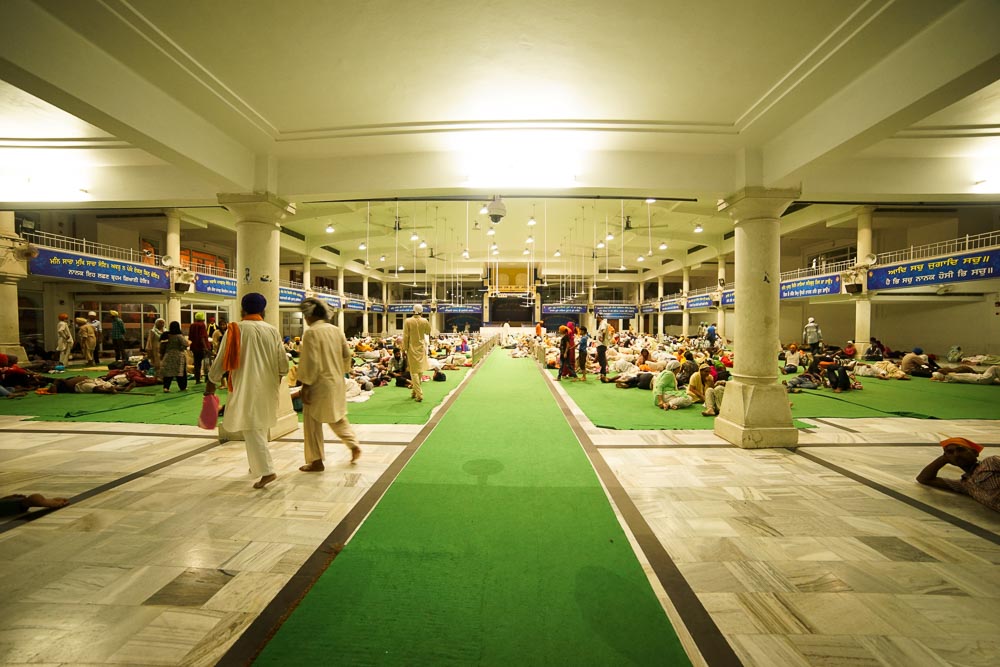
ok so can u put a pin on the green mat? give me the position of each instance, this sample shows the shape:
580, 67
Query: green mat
495, 545
609, 407
149, 405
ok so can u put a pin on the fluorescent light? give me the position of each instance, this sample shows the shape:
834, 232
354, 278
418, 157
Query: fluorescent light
650, 201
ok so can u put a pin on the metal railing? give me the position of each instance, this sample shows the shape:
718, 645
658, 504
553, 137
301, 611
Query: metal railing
964, 244
819, 270
214, 271
47, 240
291, 284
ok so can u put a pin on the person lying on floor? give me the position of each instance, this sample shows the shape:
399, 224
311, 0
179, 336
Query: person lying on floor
883, 370
82, 384
981, 479
19, 504
805, 381
990, 376
14, 377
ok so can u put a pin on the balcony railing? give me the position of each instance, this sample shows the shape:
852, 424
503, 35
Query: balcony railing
47, 240
965, 244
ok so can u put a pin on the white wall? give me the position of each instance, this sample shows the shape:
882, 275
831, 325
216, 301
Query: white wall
836, 321
937, 325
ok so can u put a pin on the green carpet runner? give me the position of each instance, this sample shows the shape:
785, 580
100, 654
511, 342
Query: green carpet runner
496, 545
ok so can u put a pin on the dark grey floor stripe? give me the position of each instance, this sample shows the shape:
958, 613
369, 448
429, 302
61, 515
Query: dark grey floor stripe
976, 530
706, 634
836, 426
374, 443
113, 484
208, 435
255, 637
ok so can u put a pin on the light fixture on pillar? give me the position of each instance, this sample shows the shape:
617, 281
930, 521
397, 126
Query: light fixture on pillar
622, 267
531, 220
329, 229
663, 245
493, 246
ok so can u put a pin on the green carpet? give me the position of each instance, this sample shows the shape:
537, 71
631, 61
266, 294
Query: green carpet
495, 545
624, 409
149, 405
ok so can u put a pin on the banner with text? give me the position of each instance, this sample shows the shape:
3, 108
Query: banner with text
354, 304
671, 306
812, 286
288, 296
76, 266
400, 307
954, 269
729, 297
563, 309
329, 299
700, 301
377, 308
650, 308
208, 284
615, 311
472, 309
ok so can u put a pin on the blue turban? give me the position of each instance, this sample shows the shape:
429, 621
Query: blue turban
253, 303
918, 350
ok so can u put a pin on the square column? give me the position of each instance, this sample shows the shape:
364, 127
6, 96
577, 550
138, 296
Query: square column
862, 305
685, 315
755, 412
12, 271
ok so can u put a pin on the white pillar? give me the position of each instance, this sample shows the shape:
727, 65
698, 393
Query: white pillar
340, 290
685, 315
862, 304
364, 293
435, 317
306, 272
641, 327
173, 313
385, 304
591, 317
720, 312
258, 217
12, 271
659, 315
755, 412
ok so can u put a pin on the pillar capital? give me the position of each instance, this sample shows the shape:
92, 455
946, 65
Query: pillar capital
752, 203
263, 207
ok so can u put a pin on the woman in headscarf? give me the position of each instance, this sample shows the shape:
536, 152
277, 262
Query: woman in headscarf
699, 382
87, 336
567, 354
666, 395
153, 346
173, 347
64, 339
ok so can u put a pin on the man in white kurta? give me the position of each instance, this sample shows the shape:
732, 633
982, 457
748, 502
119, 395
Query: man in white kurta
416, 330
324, 359
252, 405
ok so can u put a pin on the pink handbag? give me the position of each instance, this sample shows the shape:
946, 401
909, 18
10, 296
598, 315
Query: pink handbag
209, 417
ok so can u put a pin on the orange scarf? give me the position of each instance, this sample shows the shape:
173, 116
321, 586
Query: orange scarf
231, 361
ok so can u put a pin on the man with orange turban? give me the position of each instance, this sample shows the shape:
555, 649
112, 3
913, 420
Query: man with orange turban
981, 480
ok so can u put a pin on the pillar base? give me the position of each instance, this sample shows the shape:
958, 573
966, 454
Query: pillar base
288, 420
756, 416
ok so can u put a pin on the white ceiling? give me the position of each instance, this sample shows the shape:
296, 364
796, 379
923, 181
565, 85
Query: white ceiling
141, 103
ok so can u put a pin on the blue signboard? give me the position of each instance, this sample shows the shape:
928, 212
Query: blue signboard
812, 286
290, 297
400, 307
700, 301
332, 301
615, 311
729, 297
377, 308
207, 284
564, 309
954, 269
354, 304
75, 266
670, 306
650, 308
448, 308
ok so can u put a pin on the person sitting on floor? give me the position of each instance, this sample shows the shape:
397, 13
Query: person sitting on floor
990, 376
666, 394
699, 382
713, 399
917, 364
793, 359
849, 351
981, 479
875, 351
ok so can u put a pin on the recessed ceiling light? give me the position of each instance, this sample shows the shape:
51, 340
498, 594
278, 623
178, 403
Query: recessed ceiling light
329, 229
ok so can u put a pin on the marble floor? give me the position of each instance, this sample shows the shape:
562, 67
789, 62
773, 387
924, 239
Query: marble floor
828, 554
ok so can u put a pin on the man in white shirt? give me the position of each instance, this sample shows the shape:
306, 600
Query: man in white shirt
252, 353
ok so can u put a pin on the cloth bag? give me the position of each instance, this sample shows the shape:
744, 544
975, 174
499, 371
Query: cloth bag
209, 417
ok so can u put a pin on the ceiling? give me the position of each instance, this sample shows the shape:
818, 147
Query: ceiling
576, 117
